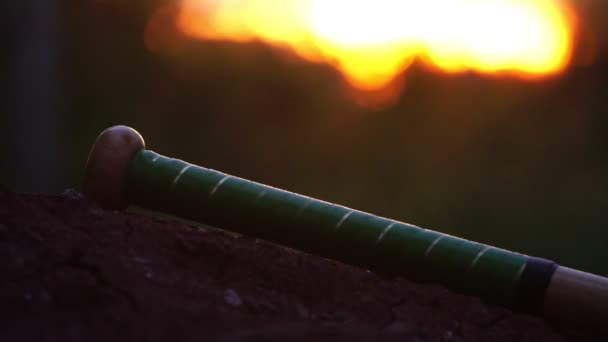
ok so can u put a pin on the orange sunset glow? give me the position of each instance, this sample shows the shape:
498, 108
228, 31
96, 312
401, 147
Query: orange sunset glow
371, 42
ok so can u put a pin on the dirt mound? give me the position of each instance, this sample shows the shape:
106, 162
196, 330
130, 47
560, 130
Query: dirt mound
71, 271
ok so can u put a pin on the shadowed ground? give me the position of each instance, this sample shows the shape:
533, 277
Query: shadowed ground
72, 272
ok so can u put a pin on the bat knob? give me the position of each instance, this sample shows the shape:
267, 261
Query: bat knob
105, 175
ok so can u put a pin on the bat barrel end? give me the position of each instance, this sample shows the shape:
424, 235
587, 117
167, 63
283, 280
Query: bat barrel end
580, 297
106, 169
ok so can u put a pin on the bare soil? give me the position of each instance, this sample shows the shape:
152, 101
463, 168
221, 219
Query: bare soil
70, 271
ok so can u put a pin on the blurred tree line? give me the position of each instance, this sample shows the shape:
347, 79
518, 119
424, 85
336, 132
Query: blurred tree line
521, 165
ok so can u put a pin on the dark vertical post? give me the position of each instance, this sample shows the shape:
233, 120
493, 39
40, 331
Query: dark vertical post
34, 119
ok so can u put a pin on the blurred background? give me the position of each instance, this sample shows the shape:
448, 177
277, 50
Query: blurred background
517, 162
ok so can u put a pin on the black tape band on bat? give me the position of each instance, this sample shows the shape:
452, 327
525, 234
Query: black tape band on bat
533, 284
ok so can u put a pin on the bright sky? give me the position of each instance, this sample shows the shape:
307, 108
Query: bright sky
373, 41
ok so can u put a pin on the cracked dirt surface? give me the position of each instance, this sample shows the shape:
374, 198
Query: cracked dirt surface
71, 271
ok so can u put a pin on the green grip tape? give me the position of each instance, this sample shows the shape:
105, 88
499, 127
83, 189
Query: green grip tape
215, 198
